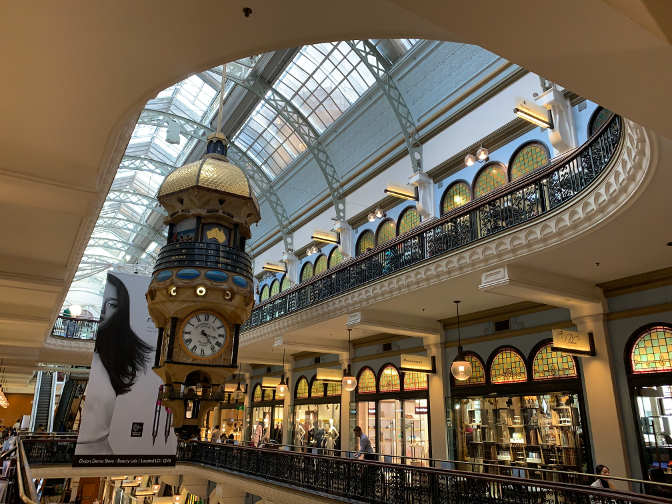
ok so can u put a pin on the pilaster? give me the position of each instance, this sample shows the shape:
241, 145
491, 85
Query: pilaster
437, 400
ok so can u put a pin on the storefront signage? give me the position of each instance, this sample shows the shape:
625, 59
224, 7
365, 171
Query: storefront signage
372, 411
398, 190
416, 363
325, 236
421, 410
329, 374
270, 382
230, 386
240, 408
572, 342
275, 267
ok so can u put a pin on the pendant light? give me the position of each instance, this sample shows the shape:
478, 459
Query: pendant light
238, 394
281, 389
461, 368
349, 382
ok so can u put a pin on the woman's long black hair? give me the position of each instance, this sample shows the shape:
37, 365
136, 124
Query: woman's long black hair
123, 354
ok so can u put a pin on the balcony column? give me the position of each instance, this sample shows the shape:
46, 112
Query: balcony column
287, 406
346, 435
346, 234
292, 263
74, 486
223, 494
248, 402
437, 398
563, 136
425, 203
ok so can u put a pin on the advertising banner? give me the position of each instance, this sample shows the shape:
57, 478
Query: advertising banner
117, 427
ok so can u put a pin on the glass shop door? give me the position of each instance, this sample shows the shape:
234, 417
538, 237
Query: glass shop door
390, 430
654, 410
416, 432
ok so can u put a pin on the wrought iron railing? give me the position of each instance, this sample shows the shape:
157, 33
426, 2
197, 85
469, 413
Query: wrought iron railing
72, 327
49, 449
518, 202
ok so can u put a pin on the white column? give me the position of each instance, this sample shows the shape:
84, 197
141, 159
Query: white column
347, 245
74, 485
425, 203
346, 399
563, 136
222, 494
292, 263
286, 408
437, 400
248, 403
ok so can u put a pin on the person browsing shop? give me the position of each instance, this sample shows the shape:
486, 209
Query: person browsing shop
364, 445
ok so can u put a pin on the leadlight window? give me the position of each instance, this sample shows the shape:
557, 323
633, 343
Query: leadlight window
386, 231
286, 284
333, 389
306, 272
528, 159
409, 219
367, 382
477, 372
414, 380
256, 397
320, 265
335, 257
550, 365
302, 388
389, 379
268, 394
651, 351
508, 366
455, 196
275, 288
491, 177
264, 293
365, 242
317, 390
598, 119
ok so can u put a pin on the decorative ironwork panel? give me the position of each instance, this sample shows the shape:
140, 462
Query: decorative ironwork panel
651, 352
550, 365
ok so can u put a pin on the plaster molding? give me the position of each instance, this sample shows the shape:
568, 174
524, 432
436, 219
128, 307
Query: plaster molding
618, 186
70, 344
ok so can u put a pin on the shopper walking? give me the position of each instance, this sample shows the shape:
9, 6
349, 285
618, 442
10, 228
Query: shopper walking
364, 445
216, 434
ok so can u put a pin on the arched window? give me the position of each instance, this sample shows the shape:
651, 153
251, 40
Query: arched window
477, 371
389, 379
528, 158
457, 194
275, 288
320, 265
386, 231
306, 272
409, 219
317, 389
286, 284
264, 293
652, 350
335, 257
414, 380
508, 366
491, 176
302, 388
256, 396
598, 118
366, 383
365, 242
333, 388
550, 365
268, 394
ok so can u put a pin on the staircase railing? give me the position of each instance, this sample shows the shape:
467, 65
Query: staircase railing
72, 327
529, 197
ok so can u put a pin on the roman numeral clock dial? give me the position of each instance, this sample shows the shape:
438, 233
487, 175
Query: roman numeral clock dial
204, 335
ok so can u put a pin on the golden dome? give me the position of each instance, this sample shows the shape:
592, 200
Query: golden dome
212, 172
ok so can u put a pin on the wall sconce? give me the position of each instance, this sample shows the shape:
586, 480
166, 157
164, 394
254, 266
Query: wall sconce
312, 250
378, 213
481, 156
200, 290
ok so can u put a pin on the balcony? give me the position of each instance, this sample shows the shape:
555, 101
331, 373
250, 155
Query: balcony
77, 328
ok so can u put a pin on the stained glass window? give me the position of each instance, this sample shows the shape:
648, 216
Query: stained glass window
528, 159
317, 390
386, 231
264, 293
508, 367
268, 394
489, 179
335, 258
414, 380
477, 372
286, 284
320, 265
366, 384
334, 389
455, 196
306, 272
365, 242
302, 388
256, 397
409, 219
275, 288
598, 119
549, 365
651, 352
389, 379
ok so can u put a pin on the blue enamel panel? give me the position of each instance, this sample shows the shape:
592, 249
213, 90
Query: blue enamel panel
216, 276
188, 274
240, 281
162, 276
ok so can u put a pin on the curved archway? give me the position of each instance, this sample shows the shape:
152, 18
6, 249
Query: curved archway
285, 284
647, 350
489, 178
366, 381
599, 117
388, 379
275, 287
415, 380
477, 371
456, 194
365, 242
265, 293
546, 364
316, 387
507, 365
387, 230
335, 257
408, 219
257, 393
528, 157
306, 272
321, 264
302, 390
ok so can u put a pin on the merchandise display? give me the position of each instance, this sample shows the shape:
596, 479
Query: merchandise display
317, 426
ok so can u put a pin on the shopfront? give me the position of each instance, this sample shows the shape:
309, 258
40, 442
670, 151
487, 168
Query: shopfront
229, 416
393, 411
518, 414
266, 416
316, 422
648, 360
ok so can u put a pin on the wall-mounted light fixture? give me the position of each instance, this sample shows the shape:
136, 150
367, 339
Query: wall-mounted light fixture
530, 111
312, 250
481, 156
324, 236
397, 190
377, 213
200, 290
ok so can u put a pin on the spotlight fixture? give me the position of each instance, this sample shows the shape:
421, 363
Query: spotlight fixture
349, 382
481, 156
281, 389
482, 153
372, 217
539, 121
75, 310
470, 159
200, 290
461, 368
379, 213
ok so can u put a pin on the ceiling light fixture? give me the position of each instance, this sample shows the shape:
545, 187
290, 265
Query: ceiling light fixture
481, 156
539, 121
349, 382
461, 368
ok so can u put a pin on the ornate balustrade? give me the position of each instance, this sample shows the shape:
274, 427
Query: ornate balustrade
78, 328
527, 198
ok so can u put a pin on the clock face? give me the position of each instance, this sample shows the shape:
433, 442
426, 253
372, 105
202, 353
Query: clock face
204, 335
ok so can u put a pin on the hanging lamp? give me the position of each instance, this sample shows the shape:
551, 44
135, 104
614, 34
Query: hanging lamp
349, 382
238, 394
281, 389
461, 368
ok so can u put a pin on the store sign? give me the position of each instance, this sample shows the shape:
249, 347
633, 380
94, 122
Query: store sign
230, 386
327, 374
572, 342
275, 267
240, 408
421, 410
416, 363
270, 382
325, 236
398, 190
372, 411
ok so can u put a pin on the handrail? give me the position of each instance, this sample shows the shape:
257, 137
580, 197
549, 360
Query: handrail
535, 194
23, 470
73, 327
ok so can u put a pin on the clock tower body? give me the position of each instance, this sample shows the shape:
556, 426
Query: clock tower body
202, 287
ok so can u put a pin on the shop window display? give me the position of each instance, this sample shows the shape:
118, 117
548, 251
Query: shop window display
317, 427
